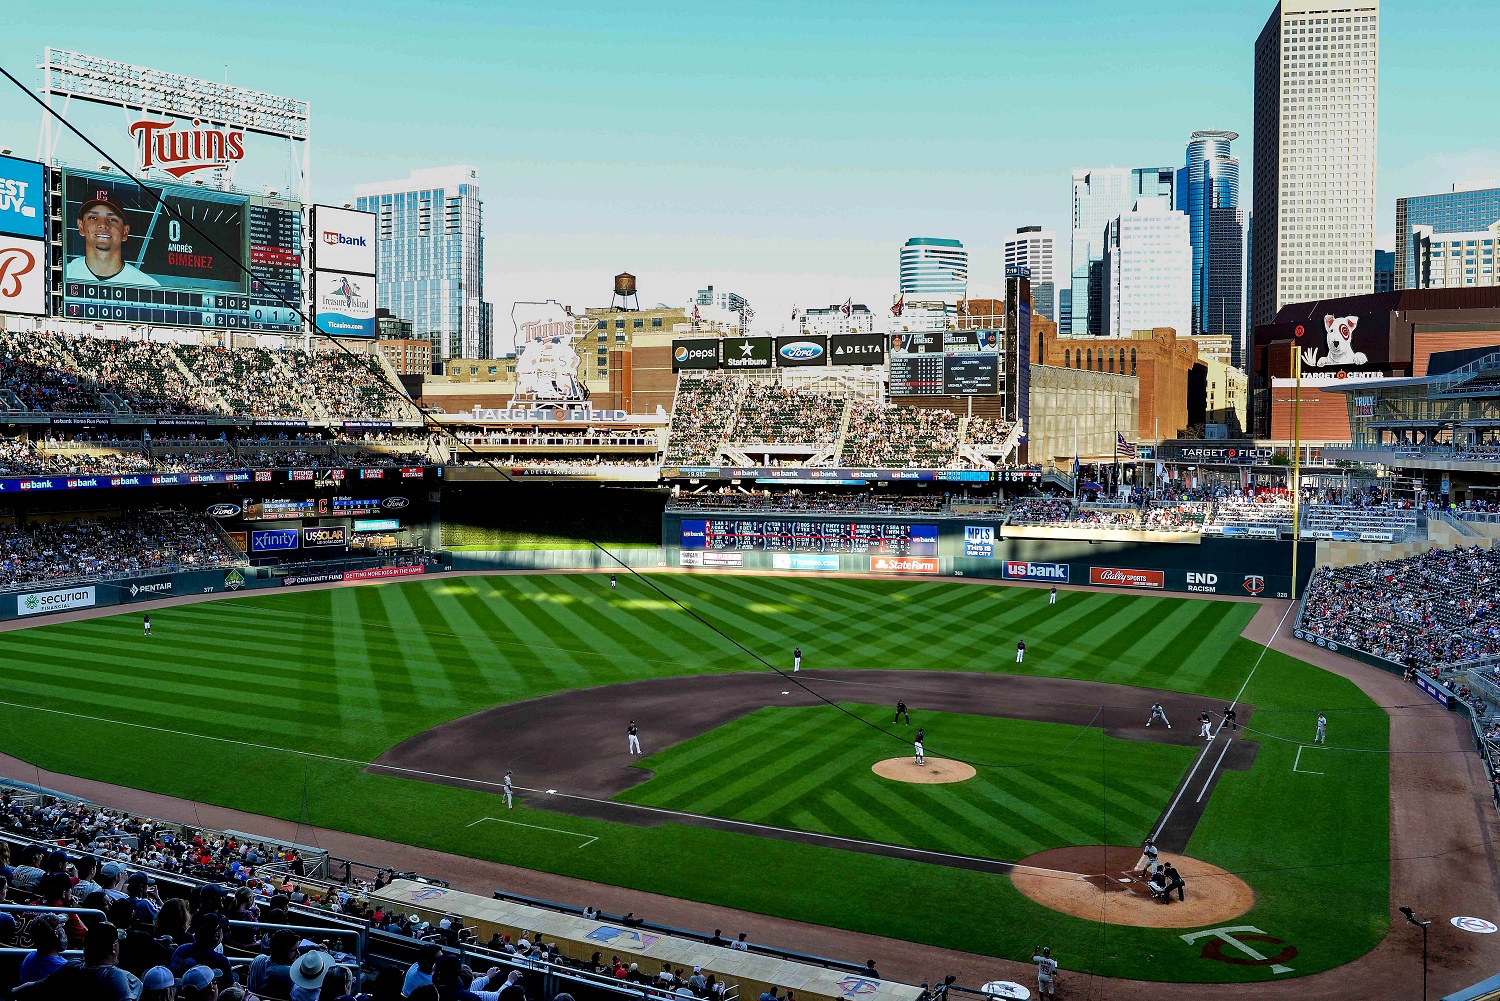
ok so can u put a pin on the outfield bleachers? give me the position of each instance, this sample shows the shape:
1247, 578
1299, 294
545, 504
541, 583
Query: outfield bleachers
158, 540
1381, 522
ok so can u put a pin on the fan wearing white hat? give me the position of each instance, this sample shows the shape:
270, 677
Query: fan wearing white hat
308, 973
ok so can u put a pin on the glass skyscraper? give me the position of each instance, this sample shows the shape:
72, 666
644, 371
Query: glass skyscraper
934, 270
430, 237
1100, 196
1208, 191
1458, 211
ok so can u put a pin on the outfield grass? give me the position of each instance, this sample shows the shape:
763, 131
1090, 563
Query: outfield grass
345, 673
1038, 786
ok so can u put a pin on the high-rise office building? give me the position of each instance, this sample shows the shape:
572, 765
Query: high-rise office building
430, 237
1034, 248
1098, 197
934, 270
1208, 191
727, 301
1465, 209
1065, 312
1148, 270
1315, 113
1385, 271
1453, 260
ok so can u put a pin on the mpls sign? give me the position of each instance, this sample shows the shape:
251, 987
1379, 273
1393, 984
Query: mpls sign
979, 541
179, 150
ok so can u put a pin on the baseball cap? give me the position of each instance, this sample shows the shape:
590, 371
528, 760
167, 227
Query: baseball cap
84, 208
199, 977
56, 859
158, 978
110, 869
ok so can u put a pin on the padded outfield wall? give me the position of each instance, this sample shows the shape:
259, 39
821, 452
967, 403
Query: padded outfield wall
914, 546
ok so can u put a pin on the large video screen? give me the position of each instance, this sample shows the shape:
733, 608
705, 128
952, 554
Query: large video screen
128, 259
776, 535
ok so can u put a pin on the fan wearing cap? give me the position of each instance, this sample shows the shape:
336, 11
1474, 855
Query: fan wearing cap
97, 976
104, 231
200, 983
208, 936
158, 984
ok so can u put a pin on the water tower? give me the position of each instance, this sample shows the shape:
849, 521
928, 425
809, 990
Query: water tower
625, 297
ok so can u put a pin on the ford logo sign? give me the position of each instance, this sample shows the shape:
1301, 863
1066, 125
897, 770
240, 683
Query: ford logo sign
800, 351
395, 503
223, 510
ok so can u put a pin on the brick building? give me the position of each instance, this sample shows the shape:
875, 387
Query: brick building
1158, 358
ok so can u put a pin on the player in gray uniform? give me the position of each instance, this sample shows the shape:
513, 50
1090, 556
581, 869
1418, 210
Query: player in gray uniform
1321, 737
1046, 973
1158, 713
509, 792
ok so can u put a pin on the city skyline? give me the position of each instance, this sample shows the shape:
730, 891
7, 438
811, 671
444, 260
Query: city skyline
707, 164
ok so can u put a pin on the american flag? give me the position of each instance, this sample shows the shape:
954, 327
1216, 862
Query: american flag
1124, 448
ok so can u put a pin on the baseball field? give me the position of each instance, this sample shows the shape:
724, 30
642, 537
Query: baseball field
278, 704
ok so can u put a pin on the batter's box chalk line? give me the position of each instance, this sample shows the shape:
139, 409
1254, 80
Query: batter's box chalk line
1297, 762
587, 839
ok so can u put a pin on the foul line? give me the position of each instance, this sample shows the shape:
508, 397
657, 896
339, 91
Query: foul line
588, 839
1185, 783
1210, 780
1263, 651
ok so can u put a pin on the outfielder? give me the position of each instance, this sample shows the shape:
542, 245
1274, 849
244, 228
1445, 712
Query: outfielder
1321, 737
611, 582
1020, 651
921, 757
1158, 713
796, 660
146, 622
1046, 973
633, 733
509, 792
1205, 725
1052, 598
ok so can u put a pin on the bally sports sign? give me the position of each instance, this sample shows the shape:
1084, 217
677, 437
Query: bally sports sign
1117, 577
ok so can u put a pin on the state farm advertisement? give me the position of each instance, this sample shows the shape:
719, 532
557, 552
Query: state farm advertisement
903, 564
1116, 577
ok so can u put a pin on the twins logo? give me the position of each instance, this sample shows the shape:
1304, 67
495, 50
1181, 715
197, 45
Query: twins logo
14, 263
1254, 584
1340, 351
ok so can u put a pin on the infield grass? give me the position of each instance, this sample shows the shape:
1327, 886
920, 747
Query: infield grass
211, 707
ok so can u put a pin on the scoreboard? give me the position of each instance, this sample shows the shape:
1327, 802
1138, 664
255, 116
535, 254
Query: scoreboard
945, 363
178, 266
794, 536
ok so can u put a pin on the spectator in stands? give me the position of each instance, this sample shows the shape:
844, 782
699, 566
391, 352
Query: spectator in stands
201, 983
110, 874
140, 949
339, 986
308, 973
85, 867
420, 972
53, 891
95, 978
208, 936
158, 985
271, 973
141, 891
174, 920
45, 956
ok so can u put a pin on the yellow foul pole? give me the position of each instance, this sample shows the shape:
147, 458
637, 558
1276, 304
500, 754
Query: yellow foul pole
1296, 462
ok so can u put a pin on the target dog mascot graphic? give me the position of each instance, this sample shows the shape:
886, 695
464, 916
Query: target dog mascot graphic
1340, 330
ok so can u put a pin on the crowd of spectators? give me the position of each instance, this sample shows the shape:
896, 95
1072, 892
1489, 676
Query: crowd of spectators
987, 431
777, 415
820, 501
883, 435
1245, 510
21, 456
1175, 515
1042, 511
700, 417
53, 372
145, 541
1440, 607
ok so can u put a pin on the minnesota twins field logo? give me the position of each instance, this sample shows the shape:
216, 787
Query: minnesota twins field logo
1236, 937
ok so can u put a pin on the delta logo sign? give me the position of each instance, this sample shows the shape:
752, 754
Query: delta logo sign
180, 151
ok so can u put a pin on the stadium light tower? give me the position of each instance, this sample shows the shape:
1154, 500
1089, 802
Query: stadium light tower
1411, 919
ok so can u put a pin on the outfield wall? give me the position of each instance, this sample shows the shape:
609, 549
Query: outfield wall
938, 547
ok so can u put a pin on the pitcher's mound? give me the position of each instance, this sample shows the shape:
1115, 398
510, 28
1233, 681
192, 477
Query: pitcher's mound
1102, 884
936, 771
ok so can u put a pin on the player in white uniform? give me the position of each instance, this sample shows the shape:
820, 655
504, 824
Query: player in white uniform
921, 757
1046, 973
796, 660
1321, 737
147, 623
1205, 725
1020, 651
1158, 713
1052, 598
633, 733
509, 792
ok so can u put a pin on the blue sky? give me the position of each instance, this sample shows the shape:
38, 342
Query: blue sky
783, 150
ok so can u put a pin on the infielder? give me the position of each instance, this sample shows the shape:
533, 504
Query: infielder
1052, 598
1158, 713
1205, 725
146, 622
1321, 737
902, 713
921, 757
1046, 973
633, 733
509, 792
1020, 651
796, 660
